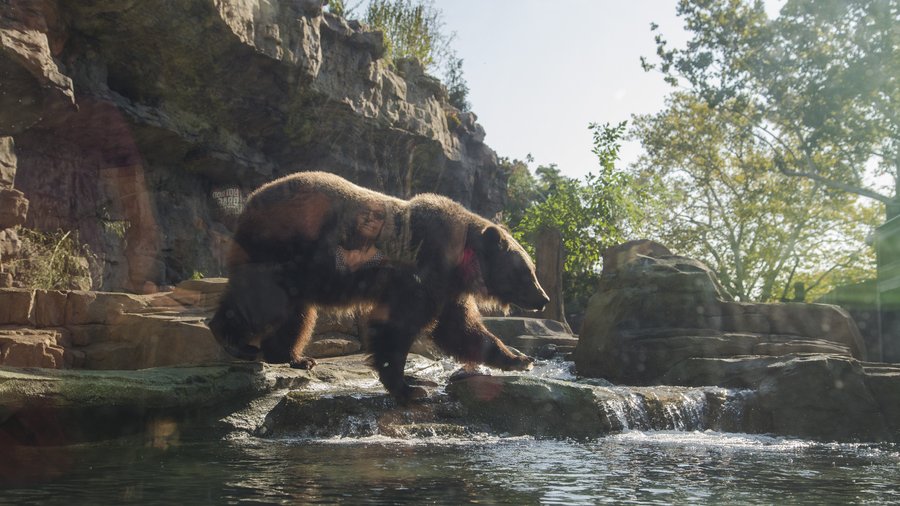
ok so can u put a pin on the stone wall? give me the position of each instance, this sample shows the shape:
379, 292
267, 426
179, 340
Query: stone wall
142, 126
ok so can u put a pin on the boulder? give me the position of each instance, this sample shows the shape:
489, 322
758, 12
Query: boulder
107, 330
49, 348
818, 396
883, 381
201, 293
7, 162
13, 208
533, 336
651, 313
332, 345
527, 406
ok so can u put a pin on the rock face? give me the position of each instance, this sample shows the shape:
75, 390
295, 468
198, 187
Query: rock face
108, 330
102, 330
649, 314
143, 125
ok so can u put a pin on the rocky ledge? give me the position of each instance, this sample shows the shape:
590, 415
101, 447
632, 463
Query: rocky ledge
342, 398
682, 357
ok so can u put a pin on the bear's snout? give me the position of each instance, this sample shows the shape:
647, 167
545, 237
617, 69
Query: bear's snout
537, 302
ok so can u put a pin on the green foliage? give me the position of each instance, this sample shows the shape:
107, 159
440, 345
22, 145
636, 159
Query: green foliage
818, 84
810, 94
412, 29
717, 197
338, 8
53, 261
521, 190
588, 213
457, 88
415, 29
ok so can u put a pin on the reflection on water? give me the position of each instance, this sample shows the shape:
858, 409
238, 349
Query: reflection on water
633, 467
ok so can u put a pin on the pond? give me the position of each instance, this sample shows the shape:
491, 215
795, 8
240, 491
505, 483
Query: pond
631, 467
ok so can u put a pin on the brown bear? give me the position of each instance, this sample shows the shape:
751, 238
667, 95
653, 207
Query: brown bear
314, 239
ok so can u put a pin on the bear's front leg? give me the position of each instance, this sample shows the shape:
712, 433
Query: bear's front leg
461, 334
390, 343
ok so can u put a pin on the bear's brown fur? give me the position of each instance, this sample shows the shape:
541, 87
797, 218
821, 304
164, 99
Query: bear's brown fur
440, 262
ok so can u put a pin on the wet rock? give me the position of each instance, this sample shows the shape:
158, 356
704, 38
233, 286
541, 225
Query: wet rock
825, 397
651, 313
805, 396
358, 413
50, 407
883, 381
541, 407
525, 406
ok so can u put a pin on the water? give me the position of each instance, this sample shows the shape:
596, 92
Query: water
632, 467
683, 464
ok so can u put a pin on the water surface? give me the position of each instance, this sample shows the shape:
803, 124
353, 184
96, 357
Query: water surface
632, 467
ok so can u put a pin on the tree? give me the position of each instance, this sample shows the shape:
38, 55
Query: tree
818, 84
457, 88
588, 213
725, 203
412, 29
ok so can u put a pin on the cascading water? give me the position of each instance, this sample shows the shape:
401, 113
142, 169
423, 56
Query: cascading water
549, 402
673, 408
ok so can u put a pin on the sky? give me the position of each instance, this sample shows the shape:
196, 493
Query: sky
540, 72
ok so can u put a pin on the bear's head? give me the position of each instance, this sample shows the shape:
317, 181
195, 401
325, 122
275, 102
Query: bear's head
507, 270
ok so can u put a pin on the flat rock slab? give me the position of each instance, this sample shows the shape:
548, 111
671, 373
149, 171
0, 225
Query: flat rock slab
511, 327
53, 407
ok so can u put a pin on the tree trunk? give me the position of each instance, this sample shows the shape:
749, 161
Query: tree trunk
549, 259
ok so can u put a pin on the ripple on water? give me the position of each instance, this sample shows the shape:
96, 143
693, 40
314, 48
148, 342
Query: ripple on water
632, 467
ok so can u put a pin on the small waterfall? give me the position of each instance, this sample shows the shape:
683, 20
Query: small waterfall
672, 408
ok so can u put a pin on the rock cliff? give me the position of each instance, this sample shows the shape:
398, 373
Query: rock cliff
143, 124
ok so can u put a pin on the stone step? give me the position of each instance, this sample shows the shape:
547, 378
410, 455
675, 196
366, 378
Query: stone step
543, 345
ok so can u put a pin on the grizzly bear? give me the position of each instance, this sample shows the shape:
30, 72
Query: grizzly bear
315, 240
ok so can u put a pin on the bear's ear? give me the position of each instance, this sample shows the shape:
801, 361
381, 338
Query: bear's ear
484, 240
492, 237
491, 242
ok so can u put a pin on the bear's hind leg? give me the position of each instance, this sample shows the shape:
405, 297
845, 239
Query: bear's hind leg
289, 340
252, 305
461, 334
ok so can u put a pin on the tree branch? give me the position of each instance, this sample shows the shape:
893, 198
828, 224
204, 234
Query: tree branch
830, 183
